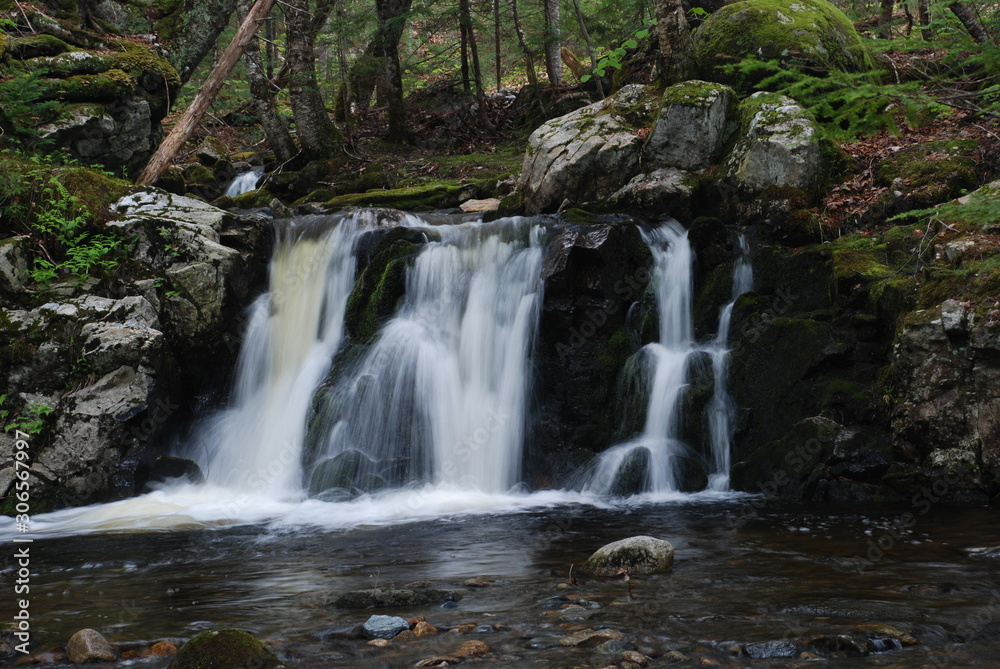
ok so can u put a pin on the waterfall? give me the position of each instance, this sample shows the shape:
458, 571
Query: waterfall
245, 182
649, 462
721, 410
666, 364
441, 396
292, 333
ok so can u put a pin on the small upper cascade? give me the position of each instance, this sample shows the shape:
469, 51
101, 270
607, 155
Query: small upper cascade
245, 182
721, 410
441, 397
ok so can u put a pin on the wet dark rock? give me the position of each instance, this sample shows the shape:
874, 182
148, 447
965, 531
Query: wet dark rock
384, 597
384, 627
765, 650
170, 467
852, 645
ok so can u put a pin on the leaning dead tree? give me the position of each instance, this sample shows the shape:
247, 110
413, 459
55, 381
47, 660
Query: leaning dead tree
203, 100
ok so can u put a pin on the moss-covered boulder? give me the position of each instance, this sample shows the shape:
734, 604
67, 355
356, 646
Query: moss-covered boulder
811, 34
696, 118
778, 147
635, 555
225, 649
414, 198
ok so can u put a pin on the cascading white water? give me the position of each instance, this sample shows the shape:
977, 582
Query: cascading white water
721, 409
292, 334
667, 362
441, 396
245, 182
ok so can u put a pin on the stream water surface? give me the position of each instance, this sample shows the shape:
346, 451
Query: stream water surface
745, 572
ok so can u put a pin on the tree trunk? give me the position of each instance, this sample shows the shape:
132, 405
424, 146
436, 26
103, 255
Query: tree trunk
590, 46
885, 18
368, 67
496, 40
528, 56
966, 13
465, 16
190, 31
262, 90
463, 48
553, 43
676, 45
389, 11
203, 100
924, 19
318, 136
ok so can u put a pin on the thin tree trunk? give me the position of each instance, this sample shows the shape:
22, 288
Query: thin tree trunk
262, 90
967, 15
389, 11
553, 42
464, 50
345, 72
676, 45
885, 18
529, 57
368, 67
924, 19
318, 136
477, 74
203, 100
496, 40
269, 35
590, 46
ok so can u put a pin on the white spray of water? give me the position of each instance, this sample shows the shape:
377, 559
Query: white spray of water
442, 394
245, 182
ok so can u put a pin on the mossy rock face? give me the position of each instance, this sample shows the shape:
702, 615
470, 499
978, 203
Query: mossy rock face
254, 199
415, 198
923, 175
806, 33
225, 649
635, 555
382, 284
783, 467
36, 46
95, 190
103, 87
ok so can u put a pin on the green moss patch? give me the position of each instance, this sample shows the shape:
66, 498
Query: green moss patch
230, 648
416, 198
380, 287
809, 33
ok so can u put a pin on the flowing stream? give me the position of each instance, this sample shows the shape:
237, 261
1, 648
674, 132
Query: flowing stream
431, 420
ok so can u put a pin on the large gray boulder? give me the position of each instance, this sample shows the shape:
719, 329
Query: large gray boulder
13, 264
696, 118
635, 555
589, 154
778, 146
184, 234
